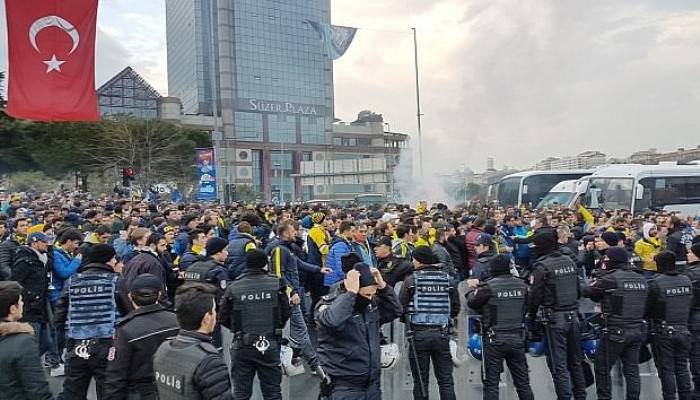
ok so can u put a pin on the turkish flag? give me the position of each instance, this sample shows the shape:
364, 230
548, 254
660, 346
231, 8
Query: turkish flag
51, 46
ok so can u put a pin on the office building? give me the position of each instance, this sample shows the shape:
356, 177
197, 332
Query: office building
272, 77
127, 93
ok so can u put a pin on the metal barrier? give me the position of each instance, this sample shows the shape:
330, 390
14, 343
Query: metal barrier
397, 383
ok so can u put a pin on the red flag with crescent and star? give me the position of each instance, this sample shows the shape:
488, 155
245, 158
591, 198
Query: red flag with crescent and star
51, 48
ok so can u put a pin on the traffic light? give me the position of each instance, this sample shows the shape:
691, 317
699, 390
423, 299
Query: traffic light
127, 176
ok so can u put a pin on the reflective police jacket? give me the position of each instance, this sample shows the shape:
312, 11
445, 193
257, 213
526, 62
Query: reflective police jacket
94, 285
502, 301
429, 297
255, 304
348, 339
189, 367
693, 272
555, 284
670, 299
622, 294
237, 247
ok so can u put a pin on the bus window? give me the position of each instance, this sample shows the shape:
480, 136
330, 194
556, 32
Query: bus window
662, 192
610, 193
508, 192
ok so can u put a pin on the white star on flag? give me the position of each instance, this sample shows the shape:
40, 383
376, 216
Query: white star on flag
53, 64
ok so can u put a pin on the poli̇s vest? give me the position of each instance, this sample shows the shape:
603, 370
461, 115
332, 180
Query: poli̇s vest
430, 305
256, 308
562, 282
199, 272
507, 304
174, 368
627, 302
92, 309
694, 274
675, 299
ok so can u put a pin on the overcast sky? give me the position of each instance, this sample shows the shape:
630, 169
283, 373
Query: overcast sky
517, 81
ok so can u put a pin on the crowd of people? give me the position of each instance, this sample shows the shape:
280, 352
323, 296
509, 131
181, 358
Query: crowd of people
135, 295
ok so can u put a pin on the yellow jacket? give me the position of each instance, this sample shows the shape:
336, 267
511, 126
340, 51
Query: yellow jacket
647, 249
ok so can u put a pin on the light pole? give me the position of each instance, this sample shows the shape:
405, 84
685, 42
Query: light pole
418, 113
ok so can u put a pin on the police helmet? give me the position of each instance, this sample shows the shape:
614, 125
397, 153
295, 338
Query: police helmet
389, 355
475, 346
589, 348
457, 354
536, 348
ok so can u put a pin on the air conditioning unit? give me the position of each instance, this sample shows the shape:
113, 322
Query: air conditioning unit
244, 173
244, 155
319, 156
397, 159
320, 189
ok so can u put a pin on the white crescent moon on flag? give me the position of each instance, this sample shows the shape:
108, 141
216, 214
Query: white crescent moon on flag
52, 20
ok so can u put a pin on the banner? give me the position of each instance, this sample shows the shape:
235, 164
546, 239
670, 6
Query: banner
206, 171
335, 38
51, 49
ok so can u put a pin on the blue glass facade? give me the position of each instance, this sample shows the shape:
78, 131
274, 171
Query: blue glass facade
279, 91
191, 53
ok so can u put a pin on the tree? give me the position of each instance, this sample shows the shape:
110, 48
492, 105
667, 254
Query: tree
246, 194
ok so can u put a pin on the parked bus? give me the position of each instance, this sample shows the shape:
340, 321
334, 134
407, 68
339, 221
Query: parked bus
370, 199
530, 187
642, 188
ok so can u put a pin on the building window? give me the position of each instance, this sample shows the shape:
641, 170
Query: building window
249, 126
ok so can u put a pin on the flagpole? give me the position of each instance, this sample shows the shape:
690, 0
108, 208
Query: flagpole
418, 113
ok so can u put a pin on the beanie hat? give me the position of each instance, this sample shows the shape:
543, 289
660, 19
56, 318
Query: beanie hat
499, 264
348, 261
484, 239
366, 277
318, 217
424, 255
611, 238
255, 259
617, 256
215, 245
665, 261
544, 241
383, 241
101, 253
695, 249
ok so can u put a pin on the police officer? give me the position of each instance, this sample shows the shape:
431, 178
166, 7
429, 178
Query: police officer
622, 293
555, 293
430, 300
255, 307
348, 323
138, 336
693, 272
393, 269
668, 307
189, 366
88, 310
211, 269
502, 302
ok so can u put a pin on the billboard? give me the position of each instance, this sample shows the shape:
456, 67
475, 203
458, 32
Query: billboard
206, 173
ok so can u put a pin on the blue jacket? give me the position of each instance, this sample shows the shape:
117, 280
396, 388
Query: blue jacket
365, 252
522, 250
339, 247
286, 265
235, 262
64, 265
348, 340
182, 242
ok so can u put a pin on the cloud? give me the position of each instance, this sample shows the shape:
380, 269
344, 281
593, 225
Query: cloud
519, 83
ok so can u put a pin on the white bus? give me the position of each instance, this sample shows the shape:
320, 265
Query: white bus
530, 187
641, 188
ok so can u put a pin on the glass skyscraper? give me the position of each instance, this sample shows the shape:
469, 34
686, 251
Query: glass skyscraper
273, 79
